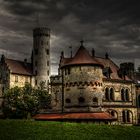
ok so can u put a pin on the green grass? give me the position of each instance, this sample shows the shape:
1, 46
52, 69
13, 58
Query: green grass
37, 130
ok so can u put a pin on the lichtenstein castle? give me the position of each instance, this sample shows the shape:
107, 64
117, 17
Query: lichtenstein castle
87, 87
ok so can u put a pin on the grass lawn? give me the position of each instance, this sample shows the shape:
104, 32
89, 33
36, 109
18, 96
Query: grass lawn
43, 130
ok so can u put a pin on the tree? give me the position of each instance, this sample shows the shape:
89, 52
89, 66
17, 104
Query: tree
26, 101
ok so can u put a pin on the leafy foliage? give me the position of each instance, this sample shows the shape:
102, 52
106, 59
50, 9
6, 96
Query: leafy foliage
25, 101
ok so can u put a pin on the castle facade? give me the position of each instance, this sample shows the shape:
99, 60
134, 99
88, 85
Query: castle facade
87, 87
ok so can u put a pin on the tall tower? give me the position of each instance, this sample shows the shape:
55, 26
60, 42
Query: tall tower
41, 55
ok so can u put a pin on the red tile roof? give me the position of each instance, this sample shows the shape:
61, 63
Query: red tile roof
19, 67
82, 57
75, 116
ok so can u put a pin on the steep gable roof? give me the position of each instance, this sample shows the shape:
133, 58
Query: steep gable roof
19, 67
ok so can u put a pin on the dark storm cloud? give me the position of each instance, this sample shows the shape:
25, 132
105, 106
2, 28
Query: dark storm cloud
109, 25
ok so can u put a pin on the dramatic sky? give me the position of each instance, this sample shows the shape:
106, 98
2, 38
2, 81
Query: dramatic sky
111, 26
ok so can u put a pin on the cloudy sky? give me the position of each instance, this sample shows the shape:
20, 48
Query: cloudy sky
111, 26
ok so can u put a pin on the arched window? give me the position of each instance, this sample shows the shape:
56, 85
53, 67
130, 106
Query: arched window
122, 95
107, 94
123, 117
139, 101
95, 99
68, 100
127, 116
112, 94
127, 95
81, 100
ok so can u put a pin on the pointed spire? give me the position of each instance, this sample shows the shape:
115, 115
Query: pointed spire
106, 55
93, 52
82, 42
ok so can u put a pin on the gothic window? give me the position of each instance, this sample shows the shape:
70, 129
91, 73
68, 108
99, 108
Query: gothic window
112, 94
127, 94
126, 116
16, 78
68, 100
122, 95
139, 101
81, 100
107, 94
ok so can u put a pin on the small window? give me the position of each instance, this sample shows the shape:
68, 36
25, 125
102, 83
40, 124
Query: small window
35, 82
81, 100
47, 51
16, 78
95, 100
127, 94
68, 100
48, 72
48, 63
107, 94
68, 70
112, 94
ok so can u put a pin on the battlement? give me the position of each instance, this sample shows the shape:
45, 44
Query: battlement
41, 31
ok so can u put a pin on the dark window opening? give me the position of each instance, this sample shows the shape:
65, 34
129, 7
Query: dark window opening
95, 100
47, 51
35, 82
68, 100
48, 63
126, 116
112, 94
107, 94
127, 95
81, 100
48, 72
139, 101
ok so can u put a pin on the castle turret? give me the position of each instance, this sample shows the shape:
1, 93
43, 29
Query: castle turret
41, 54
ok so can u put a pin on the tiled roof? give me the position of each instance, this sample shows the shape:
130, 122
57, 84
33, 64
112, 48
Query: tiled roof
82, 57
19, 67
75, 116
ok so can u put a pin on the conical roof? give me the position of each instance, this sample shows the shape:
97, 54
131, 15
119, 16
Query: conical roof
82, 57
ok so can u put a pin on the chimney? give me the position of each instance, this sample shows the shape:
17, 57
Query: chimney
93, 52
106, 55
25, 62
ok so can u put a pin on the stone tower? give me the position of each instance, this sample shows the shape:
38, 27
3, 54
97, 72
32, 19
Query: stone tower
41, 55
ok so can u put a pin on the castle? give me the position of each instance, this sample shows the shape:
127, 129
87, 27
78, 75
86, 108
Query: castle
86, 88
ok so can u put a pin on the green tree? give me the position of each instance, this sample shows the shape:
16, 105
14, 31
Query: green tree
25, 102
